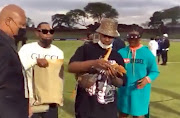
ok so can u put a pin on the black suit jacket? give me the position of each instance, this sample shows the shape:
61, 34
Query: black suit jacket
11, 76
165, 44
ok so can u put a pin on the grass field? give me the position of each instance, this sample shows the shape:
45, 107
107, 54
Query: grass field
165, 97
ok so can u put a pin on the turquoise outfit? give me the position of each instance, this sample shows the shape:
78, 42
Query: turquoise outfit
139, 63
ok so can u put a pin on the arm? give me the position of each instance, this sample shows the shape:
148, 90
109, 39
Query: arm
4, 56
119, 80
152, 72
77, 66
168, 43
78, 62
84, 66
61, 73
26, 60
152, 68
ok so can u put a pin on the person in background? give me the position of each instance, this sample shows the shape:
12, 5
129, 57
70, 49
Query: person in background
118, 44
165, 49
159, 50
153, 46
37, 53
142, 70
13, 89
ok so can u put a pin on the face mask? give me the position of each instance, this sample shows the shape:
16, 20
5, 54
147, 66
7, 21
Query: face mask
104, 46
46, 42
21, 32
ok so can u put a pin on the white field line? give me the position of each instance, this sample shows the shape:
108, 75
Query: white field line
173, 62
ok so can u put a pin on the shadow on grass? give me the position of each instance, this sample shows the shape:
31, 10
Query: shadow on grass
166, 92
161, 106
165, 108
152, 116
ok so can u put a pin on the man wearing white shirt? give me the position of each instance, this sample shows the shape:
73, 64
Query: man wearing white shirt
153, 46
37, 53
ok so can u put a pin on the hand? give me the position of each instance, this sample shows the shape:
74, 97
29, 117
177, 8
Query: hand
141, 83
42, 63
111, 72
30, 112
102, 64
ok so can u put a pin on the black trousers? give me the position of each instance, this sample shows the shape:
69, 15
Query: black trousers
13, 107
51, 113
164, 56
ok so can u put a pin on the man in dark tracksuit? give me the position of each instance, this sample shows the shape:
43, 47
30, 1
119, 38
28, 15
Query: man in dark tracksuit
13, 103
165, 48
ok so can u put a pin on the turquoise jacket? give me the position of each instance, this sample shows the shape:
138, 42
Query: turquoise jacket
139, 63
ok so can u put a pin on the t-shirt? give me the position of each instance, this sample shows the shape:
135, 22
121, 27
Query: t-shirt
99, 101
28, 55
153, 46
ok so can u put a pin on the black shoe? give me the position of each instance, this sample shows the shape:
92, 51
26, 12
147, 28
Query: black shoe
163, 64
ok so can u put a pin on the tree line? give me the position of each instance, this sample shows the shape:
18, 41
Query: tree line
97, 10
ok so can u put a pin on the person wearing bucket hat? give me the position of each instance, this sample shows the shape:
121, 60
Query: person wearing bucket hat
99, 98
142, 70
108, 29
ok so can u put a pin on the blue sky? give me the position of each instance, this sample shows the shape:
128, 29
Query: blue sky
130, 11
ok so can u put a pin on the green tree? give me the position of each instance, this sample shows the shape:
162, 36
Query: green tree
61, 20
156, 20
159, 17
29, 22
98, 10
173, 14
77, 16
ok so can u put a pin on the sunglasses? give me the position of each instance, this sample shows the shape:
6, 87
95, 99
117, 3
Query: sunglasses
45, 31
133, 36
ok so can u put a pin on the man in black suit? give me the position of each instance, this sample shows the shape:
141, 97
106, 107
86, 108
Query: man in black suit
13, 103
165, 48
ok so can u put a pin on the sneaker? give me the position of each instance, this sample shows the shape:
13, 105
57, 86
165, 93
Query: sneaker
163, 64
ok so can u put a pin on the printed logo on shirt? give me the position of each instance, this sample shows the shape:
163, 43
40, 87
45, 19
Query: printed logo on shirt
35, 56
138, 61
126, 60
105, 92
103, 89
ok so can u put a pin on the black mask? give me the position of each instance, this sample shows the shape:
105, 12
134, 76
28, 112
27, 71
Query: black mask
46, 42
21, 32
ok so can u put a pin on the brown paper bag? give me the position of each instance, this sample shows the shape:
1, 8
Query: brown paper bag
48, 86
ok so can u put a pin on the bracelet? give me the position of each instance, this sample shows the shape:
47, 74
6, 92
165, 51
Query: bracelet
148, 79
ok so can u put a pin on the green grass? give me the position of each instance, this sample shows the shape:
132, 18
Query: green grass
69, 47
165, 96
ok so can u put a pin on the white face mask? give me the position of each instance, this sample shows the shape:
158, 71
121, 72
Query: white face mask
104, 46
